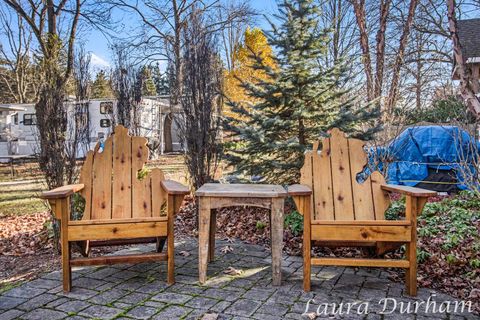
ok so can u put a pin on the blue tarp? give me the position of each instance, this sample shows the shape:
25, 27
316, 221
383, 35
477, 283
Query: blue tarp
417, 149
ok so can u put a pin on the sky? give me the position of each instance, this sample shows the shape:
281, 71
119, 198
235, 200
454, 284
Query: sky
97, 44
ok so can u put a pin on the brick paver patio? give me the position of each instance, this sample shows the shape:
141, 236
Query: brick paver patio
140, 291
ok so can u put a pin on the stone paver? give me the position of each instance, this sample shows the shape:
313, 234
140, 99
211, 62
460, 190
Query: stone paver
37, 302
42, 314
10, 302
142, 312
11, 314
141, 292
73, 306
101, 312
172, 312
243, 307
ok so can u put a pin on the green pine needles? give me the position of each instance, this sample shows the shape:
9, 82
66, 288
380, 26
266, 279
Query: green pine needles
299, 102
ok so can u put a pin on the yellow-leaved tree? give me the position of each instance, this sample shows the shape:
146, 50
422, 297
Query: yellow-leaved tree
255, 44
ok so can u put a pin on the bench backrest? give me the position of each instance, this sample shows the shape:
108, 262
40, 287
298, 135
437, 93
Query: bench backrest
331, 169
113, 189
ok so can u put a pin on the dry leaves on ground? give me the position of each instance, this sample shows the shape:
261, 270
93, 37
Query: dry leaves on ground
24, 234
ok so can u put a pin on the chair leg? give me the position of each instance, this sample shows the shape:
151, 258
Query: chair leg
307, 259
307, 244
84, 248
411, 273
411, 212
211, 238
63, 207
160, 244
170, 240
66, 268
170, 249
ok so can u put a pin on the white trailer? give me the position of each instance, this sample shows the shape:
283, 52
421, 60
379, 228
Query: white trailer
18, 130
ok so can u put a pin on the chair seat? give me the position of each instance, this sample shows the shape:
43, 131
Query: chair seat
363, 222
351, 232
117, 229
336, 244
115, 221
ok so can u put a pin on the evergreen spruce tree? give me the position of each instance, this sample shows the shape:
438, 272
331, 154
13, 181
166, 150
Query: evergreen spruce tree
101, 87
148, 84
161, 81
296, 105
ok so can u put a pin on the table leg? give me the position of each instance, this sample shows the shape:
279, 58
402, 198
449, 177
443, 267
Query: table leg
211, 241
203, 237
277, 239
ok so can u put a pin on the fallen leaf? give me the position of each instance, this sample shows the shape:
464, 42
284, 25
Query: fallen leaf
232, 271
210, 316
226, 249
229, 240
310, 315
184, 253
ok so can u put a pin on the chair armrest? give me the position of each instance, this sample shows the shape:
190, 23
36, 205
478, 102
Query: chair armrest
409, 191
299, 190
174, 187
62, 192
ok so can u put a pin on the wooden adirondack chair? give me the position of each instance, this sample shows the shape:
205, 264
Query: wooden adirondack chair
339, 211
118, 204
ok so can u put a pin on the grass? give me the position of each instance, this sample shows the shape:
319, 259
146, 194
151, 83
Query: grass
19, 195
21, 198
8, 286
22, 171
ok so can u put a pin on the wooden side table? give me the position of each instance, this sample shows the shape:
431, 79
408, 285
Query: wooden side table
215, 196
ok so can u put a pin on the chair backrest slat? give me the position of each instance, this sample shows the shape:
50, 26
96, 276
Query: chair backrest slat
362, 192
122, 176
86, 179
331, 169
341, 180
322, 181
142, 191
159, 197
113, 187
381, 200
102, 183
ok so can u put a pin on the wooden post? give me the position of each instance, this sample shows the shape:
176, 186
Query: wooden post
211, 242
12, 170
203, 237
277, 239
307, 242
411, 253
66, 268
170, 239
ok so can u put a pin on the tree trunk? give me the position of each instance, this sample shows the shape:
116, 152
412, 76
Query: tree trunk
176, 91
167, 133
464, 73
359, 9
392, 96
384, 12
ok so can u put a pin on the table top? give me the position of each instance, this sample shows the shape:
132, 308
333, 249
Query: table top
236, 190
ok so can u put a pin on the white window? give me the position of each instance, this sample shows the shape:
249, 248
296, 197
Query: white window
106, 107
29, 119
105, 123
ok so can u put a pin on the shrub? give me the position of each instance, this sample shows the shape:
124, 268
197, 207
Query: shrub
294, 221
